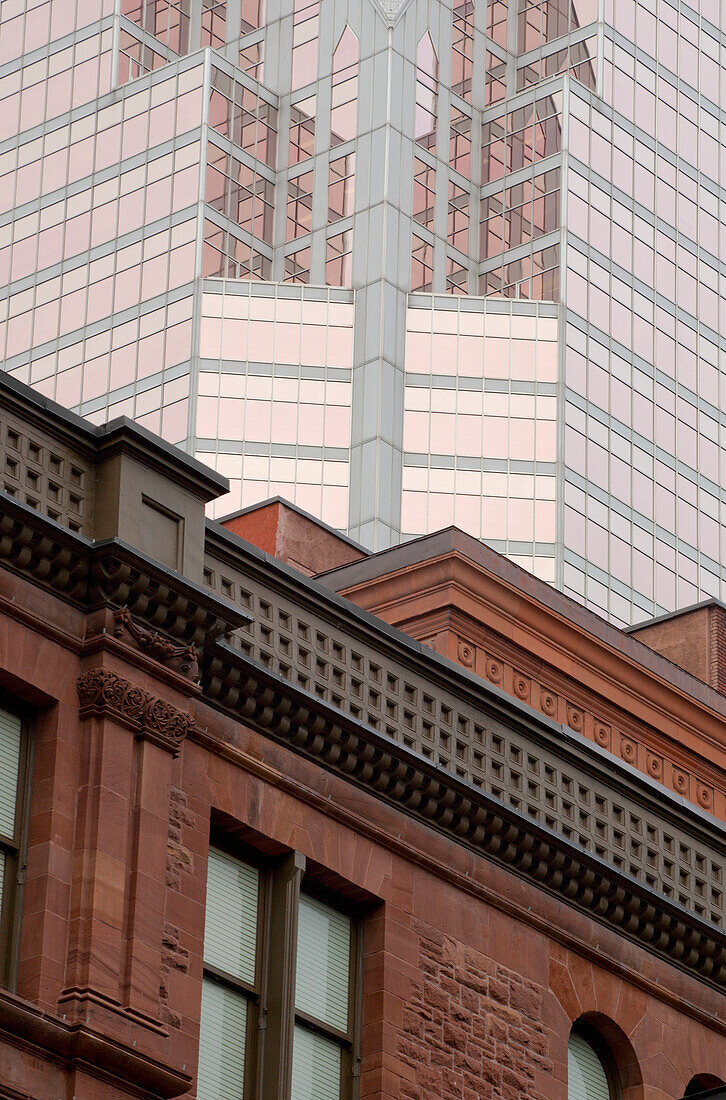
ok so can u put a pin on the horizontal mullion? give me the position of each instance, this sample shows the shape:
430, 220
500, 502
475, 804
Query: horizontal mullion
326, 1030
237, 984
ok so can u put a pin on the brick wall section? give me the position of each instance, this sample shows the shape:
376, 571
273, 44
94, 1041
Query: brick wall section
473, 1029
717, 649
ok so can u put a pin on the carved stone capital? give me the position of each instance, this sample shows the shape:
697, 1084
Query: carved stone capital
185, 658
101, 691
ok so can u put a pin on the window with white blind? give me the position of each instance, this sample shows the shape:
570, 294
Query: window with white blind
13, 768
278, 1012
322, 1000
230, 988
587, 1076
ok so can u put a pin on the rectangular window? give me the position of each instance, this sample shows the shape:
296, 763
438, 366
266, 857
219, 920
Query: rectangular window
13, 805
322, 1001
279, 980
230, 994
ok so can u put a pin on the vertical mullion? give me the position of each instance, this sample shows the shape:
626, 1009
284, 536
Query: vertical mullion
350, 1089
194, 7
7, 857
254, 1086
256, 1002
280, 1001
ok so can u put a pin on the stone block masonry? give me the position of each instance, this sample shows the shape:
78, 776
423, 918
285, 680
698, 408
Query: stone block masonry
473, 1029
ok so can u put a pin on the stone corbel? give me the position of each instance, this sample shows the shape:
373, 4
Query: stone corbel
185, 658
101, 691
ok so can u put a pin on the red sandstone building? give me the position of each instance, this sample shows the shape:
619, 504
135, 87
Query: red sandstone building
417, 828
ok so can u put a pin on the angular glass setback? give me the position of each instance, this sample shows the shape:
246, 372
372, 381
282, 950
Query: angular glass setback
407, 264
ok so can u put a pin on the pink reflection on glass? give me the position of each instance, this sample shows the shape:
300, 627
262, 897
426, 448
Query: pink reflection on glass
312, 347
343, 112
284, 422
335, 505
340, 347
469, 435
416, 432
427, 83
304, 42
174, 421
287, 343
214, 15
337, 427
310, 428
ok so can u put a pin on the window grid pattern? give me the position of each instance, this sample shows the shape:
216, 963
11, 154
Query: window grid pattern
302, 129
646, 531
479, 444
339, 259
515, 217
462, 48
275, 394
136, 57
165, 20
544, 21
239, 188
344, 97
578, 58
305, 25
427, 89
214, 19
169, 23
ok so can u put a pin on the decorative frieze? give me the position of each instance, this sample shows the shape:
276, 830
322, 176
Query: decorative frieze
551, 702
101, 691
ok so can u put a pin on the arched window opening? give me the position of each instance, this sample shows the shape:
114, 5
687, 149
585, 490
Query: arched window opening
704, 1083
588, 1078
602, 1064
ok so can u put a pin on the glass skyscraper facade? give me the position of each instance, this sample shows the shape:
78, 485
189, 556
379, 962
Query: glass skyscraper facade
405, 262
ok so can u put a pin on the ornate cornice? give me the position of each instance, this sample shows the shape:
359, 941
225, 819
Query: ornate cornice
92, 575
102, 692
390, 771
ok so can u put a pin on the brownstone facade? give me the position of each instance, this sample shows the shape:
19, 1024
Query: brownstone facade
509, 878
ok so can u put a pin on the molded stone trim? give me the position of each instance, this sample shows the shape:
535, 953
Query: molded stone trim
75, 1042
